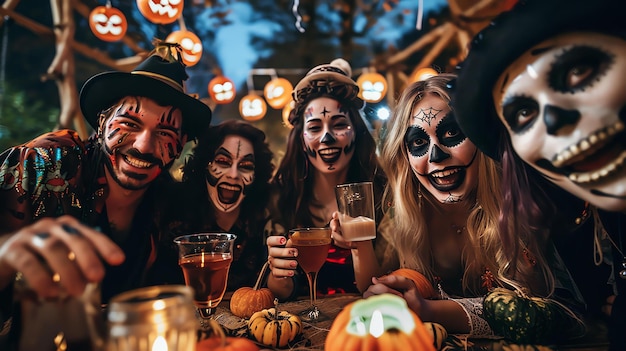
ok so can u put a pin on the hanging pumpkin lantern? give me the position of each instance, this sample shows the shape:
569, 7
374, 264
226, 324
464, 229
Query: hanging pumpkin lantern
252, 107
222, 90
277, 92
246, 300
191, 44
379, 322
372, 87
423, 285
107, 23
273, 328
161, 11
286, 112
422, 73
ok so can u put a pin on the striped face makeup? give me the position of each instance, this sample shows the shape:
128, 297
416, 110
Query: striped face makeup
440, 155
328, 135
141, 138
231, 173
563, 103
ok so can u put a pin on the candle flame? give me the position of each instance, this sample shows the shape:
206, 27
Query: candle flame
159, 344
377, 327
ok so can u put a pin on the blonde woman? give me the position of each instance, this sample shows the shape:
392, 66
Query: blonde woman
444, 196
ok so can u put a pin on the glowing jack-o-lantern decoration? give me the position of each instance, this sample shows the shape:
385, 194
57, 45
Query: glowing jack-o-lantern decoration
108, 23
277, 92
161, 11
422, 73
286, 112
222, 90
252, 107
191, 44
380, 322
372, 87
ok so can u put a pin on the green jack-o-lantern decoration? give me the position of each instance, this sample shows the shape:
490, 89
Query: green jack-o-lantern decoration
380, 322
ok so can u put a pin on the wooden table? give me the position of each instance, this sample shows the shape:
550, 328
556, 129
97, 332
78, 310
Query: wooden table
314, 334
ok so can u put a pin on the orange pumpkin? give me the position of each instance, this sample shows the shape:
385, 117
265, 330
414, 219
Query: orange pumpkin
220, 342
226, 344
277, 92
380, 322
423, 285
108, 23
252, 107
191, 44
161, 11
372, 87
222, 90
246, 300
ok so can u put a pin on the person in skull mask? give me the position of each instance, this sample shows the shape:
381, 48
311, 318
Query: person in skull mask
551, 105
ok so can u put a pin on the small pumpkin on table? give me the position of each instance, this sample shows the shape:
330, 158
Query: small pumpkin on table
246, 301
274, 328
220, 342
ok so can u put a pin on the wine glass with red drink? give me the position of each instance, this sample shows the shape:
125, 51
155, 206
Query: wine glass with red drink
312, 245
205, 259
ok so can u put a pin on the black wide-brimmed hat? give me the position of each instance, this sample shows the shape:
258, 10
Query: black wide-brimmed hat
505, 39
160, 77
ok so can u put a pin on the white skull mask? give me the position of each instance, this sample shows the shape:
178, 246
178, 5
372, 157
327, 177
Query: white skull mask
564, 105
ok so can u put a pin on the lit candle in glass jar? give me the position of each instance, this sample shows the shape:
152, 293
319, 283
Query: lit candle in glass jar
157, 318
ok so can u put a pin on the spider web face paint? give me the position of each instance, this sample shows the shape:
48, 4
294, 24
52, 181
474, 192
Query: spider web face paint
440, 155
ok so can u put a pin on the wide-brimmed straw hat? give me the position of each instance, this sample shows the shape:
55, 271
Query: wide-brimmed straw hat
506, 38
160, 77
329, 79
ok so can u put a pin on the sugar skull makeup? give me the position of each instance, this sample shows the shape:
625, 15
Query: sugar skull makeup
564, 105
140, 138
231, 173
440, 155
328, 135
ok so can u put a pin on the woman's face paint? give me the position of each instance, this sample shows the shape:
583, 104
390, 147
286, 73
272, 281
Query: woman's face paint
141, 138
563, 103
440, 155
328, 135
231, 173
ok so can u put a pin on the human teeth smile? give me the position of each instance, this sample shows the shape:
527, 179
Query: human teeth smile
598, 156
330, 155
447, 179
135, 162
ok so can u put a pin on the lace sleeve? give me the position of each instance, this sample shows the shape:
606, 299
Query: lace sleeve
473, 308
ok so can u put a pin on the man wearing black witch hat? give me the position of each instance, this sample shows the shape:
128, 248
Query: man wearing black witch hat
74, 212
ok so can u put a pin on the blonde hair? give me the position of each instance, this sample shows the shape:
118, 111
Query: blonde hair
410, 235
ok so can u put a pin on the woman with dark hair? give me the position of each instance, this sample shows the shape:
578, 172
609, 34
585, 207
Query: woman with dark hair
330, 144
225, 187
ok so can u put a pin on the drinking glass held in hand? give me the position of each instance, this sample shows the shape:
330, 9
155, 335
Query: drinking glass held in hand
312, 245
355, 203
205, 259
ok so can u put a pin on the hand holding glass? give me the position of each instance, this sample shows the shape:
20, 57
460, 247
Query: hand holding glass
205, 259
312, 245
355, 202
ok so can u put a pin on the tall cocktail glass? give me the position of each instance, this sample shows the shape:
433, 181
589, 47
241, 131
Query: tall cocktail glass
205, 259
312, 245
